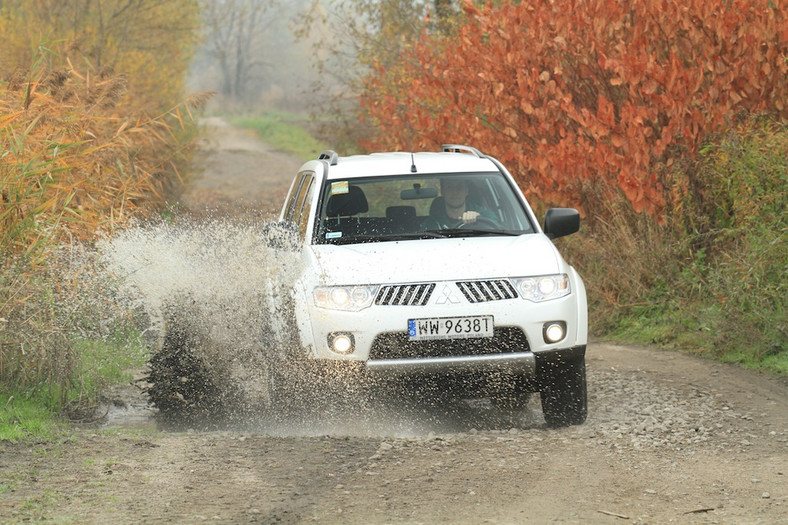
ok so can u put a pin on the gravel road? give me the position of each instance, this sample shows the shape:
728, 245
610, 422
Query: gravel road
669, 439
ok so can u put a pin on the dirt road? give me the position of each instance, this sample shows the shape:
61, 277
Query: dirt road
235, 173
669, 438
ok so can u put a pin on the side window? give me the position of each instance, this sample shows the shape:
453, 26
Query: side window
293, 198
302, 218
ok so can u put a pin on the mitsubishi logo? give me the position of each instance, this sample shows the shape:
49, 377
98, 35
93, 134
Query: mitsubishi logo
447, 296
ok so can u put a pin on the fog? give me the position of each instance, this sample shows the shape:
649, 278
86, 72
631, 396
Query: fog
277, 69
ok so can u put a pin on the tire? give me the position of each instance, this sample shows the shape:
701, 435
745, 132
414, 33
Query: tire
564, 393
180, 385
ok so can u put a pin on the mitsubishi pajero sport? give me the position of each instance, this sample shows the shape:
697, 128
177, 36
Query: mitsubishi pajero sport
432, 265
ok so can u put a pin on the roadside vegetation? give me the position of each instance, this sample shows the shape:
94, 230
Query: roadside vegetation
715, 284
666, 124
92, 132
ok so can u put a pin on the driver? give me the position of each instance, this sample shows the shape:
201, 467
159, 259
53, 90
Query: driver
452, 209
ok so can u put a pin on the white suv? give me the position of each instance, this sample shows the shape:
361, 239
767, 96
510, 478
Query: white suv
432, 266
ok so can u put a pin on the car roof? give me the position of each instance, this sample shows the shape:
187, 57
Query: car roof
398, 163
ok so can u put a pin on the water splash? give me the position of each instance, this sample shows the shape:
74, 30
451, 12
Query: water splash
219, 289
219, 283
212, 264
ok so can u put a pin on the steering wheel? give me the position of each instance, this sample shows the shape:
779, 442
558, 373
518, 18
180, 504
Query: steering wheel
480, 220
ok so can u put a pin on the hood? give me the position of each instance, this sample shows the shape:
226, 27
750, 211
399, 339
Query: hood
435, 260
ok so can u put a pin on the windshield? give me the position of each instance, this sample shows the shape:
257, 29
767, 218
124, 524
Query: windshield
411, 207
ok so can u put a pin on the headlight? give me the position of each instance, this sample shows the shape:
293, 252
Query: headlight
348, 298
543, 287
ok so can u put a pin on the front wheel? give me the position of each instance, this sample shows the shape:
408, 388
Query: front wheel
564, 394
182, 385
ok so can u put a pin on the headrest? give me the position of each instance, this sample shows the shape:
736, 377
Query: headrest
437, 207
350, 203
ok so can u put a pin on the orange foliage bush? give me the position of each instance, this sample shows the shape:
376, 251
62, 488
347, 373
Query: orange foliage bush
587, 101
84, 148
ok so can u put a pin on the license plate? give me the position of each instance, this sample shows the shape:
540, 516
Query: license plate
450, 327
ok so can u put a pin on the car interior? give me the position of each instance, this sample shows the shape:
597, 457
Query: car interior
389, 212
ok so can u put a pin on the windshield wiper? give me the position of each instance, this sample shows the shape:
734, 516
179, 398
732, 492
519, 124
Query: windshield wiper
426, 234
469, 232
381, 237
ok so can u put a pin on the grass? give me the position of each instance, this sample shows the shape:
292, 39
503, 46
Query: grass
40, 413
720, 288
285, 132
108, 362
28, 416
695, 329
774, 363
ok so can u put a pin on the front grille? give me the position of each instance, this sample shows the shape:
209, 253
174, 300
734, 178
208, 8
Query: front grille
396, 345
483, 291
405, 294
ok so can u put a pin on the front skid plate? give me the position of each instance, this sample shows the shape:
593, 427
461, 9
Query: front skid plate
517, 363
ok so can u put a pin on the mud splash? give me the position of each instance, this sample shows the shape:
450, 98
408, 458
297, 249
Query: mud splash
221, 284
215, 296
214, 264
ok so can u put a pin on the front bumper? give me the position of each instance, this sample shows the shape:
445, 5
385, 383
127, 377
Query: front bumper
368, 326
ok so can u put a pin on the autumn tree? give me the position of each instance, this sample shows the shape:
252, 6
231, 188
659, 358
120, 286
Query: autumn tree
587, 101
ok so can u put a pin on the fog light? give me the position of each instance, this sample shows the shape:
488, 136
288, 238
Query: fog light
554, 331
341, 343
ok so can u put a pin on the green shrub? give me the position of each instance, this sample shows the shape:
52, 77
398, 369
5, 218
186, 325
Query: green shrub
747, 274
64, 333
716, 280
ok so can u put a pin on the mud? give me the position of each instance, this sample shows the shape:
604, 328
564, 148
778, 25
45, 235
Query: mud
669, 439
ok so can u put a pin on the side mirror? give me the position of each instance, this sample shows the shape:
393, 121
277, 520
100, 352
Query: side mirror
559, 222
282, 235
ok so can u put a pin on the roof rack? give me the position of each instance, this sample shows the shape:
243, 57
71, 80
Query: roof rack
329, 155
457, 148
